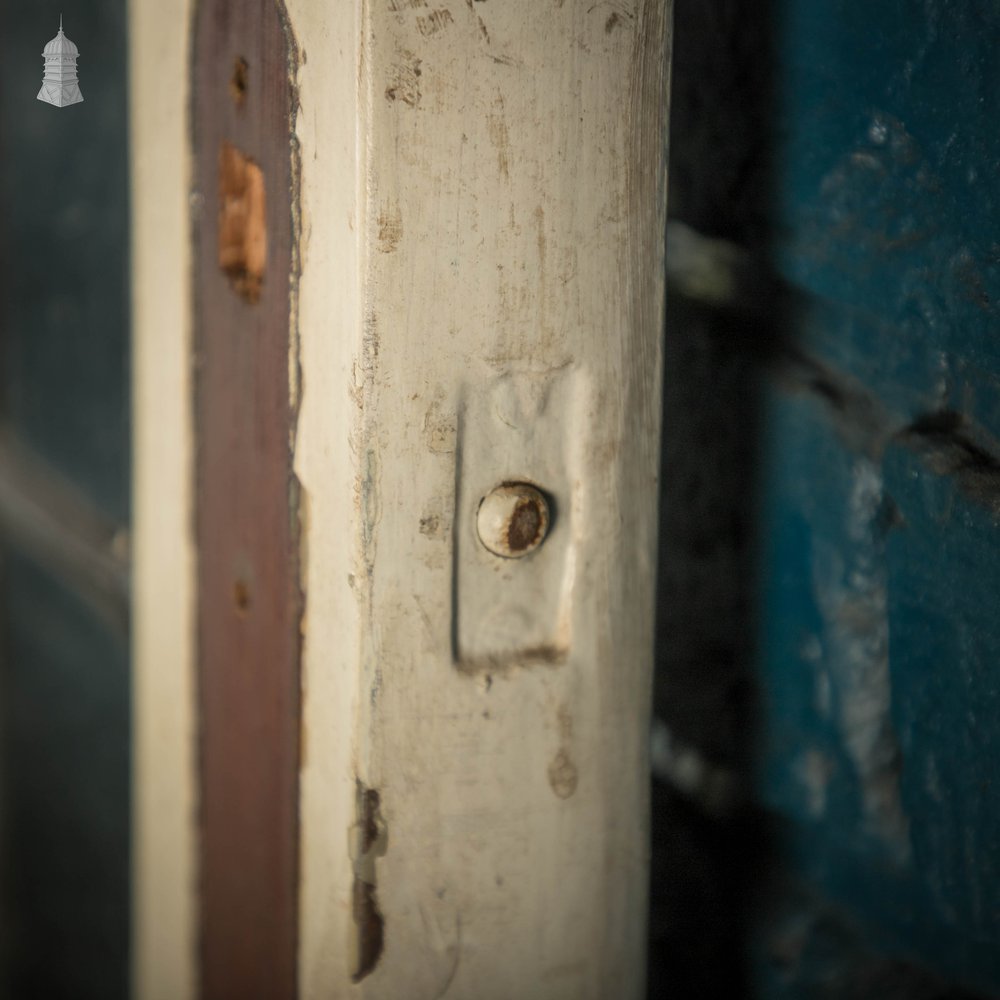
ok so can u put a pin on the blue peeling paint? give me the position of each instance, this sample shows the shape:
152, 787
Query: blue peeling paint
880, 642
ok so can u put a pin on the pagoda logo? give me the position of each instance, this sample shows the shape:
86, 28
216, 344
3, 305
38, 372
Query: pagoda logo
59, 85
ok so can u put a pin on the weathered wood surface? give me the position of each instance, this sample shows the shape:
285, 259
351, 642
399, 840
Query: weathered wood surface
484, 274
480, 301
246, 514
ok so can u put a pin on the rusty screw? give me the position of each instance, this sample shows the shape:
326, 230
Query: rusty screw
513, 520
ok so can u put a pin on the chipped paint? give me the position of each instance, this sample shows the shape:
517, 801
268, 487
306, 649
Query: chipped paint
850, 588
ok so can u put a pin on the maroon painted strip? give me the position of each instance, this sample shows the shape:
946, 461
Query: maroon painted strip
249, 602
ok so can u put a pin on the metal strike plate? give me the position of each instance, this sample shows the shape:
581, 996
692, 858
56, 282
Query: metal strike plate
523, 427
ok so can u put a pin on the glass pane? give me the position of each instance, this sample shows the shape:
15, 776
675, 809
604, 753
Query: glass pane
63, 247
64, 364
65, 751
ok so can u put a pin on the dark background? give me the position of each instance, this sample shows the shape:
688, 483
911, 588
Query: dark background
64, 378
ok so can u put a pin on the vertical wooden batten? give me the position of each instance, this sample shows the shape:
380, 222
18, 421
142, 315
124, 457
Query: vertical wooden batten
246, 513
164, 825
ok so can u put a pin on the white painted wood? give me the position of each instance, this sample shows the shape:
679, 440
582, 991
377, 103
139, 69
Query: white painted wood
163, 844
482, 215
327, 463
481, 300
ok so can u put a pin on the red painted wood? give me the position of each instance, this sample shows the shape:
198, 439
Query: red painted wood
249, 602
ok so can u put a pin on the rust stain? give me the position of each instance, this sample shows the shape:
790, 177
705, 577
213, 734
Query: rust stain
562, 772
565, 723
504, 664
620, 18
563, 776
404, 80
525, 526
479, 21
430, 525
496, 126
242, 225
539, 214
390, 229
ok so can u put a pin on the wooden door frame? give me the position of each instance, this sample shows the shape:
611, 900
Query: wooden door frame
479, 300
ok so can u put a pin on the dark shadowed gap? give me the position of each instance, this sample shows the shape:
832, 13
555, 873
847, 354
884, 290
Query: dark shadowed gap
709, 841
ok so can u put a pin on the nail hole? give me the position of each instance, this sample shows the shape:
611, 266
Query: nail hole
241, 597
238, 81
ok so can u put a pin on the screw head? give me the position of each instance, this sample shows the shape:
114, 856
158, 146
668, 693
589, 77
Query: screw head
513, 520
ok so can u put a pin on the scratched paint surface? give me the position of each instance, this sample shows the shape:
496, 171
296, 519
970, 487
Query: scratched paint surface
881, 504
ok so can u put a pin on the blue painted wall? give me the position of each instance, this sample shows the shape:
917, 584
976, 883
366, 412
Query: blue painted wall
879, 567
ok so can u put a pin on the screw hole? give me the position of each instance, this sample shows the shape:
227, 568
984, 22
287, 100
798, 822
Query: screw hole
241, 597
513, 519
238, 81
